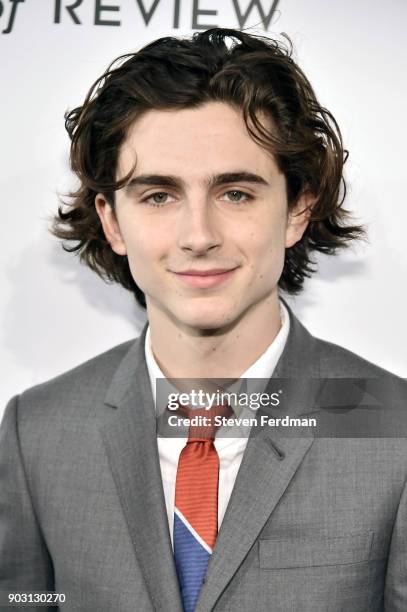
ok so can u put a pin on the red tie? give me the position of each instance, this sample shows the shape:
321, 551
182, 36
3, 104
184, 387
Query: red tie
196, 502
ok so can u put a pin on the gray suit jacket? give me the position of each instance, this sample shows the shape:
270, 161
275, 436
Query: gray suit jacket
313, 524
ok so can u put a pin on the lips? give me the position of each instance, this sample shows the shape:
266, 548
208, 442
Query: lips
205, 272
205, 279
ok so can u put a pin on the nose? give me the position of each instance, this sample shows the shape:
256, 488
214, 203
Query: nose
198, 229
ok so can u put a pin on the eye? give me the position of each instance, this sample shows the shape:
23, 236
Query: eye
159, 198
237, 197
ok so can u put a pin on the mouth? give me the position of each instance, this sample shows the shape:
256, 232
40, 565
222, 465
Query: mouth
205, 279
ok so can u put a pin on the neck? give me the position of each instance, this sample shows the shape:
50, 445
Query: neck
224, 353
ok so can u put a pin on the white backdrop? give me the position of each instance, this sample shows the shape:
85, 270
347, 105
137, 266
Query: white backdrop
56, 313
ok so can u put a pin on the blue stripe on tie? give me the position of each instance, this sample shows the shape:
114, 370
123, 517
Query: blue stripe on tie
191, 561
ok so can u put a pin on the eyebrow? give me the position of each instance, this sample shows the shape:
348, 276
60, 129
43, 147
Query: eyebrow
213, 181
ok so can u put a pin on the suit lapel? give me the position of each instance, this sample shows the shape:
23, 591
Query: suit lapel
269, 463
131, 446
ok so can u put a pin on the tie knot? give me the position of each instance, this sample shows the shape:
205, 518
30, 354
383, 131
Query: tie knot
205, 422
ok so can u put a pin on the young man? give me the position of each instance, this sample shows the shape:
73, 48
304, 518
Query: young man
209, 174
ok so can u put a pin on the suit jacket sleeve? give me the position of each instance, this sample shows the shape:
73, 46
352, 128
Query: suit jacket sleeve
25, 563
396, 576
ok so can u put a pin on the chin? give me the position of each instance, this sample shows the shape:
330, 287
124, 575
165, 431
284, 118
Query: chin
208, 316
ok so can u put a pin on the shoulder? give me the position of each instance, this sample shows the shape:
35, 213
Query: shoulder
311, 356
335, 361
81, 389
317, 357
61, 418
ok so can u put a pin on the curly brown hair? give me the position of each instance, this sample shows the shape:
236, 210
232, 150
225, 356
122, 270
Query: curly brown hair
254, 74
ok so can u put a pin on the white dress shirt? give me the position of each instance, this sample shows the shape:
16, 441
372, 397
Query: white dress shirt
229, 449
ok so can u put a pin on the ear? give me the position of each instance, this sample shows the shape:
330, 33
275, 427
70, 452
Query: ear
110, 224
298, 218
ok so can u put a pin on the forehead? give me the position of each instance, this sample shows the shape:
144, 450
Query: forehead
192, 142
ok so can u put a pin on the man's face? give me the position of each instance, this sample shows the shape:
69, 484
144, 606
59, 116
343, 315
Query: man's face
204, 197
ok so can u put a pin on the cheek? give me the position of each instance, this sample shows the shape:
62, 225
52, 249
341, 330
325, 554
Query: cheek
139, 242
139, 248
267, 249
145, 249
267, 243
